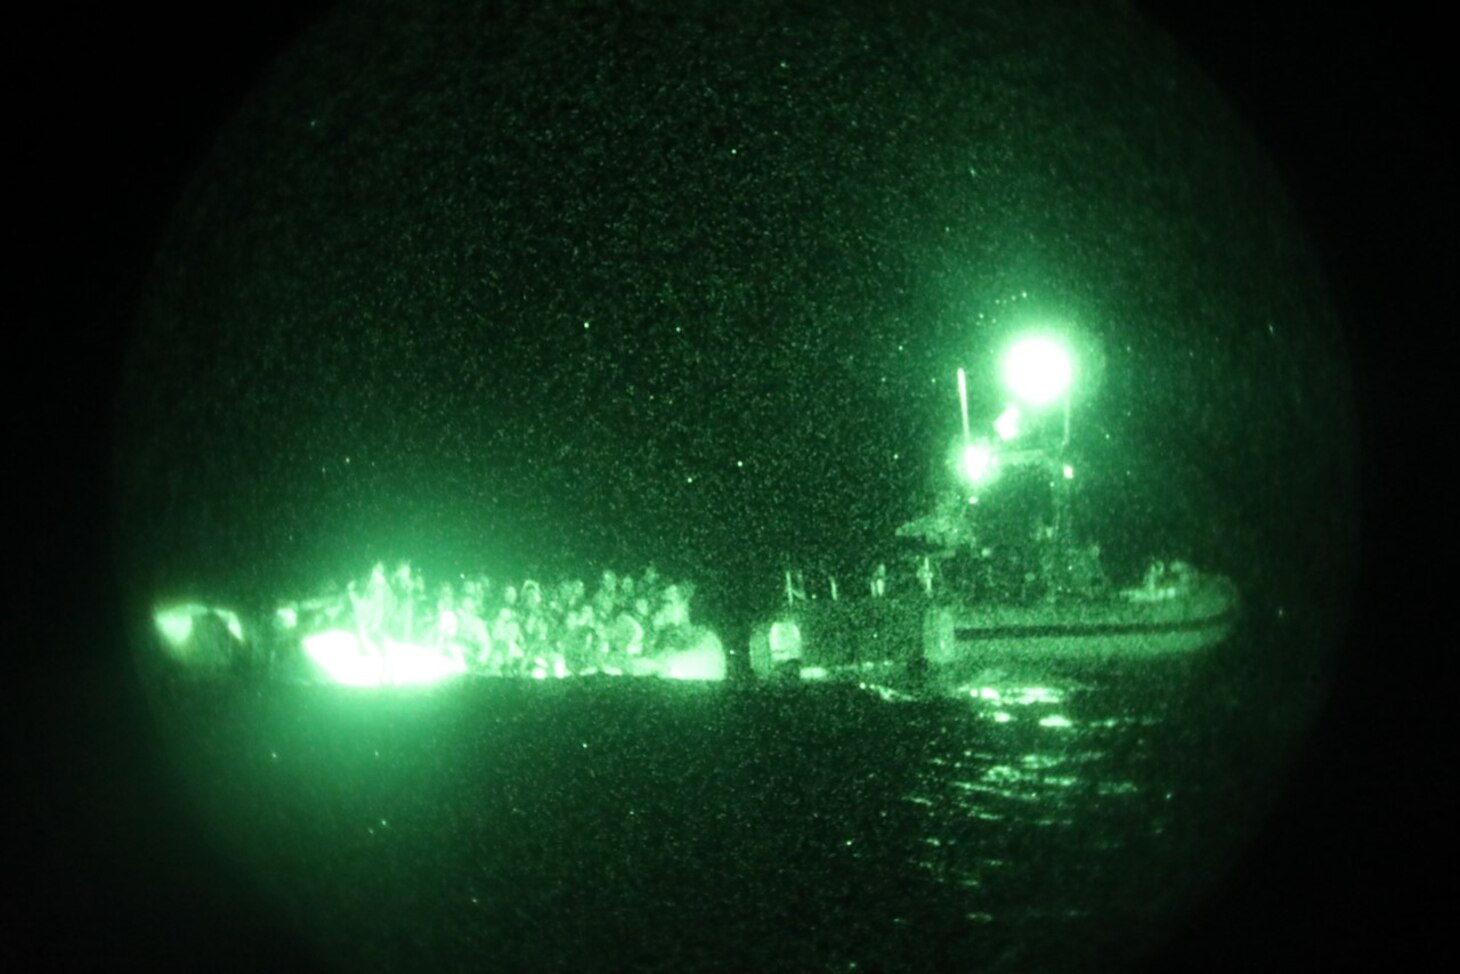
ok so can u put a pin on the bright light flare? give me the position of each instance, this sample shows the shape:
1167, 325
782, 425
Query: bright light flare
1038, 370
175, 623
1007, 425
343, 660
703, 661
963, 400
977, 463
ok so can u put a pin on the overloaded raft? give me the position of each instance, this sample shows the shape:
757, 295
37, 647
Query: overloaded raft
964, 602
384, 631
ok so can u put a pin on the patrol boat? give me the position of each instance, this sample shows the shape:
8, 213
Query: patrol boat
949, 635
967, 607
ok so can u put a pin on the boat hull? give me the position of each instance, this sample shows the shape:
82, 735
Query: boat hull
854, 637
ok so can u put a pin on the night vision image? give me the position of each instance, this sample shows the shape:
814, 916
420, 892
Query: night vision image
733, 487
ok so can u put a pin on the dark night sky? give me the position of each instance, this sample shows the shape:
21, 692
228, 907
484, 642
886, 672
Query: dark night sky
118, 109
584, 285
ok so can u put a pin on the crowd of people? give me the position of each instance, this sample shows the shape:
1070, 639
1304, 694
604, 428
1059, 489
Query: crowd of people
504, 628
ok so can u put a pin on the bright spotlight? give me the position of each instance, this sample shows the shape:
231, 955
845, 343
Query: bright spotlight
1038, 370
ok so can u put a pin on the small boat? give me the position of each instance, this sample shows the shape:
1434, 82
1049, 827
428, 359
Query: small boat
949, 639
319, 641
958, 617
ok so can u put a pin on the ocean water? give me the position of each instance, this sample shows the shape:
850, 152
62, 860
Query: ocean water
1032, 820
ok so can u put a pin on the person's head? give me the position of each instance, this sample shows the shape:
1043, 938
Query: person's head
531, 594
509, 595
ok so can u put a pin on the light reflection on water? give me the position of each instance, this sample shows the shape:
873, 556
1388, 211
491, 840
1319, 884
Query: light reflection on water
911, 820
1053, 785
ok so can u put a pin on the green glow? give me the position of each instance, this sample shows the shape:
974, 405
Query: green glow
1007, 425
175, 625
785, 639
703, 661
1055, 721
963, 400
1038, 370
1069, 472
344, 661
978, 462
1016, 696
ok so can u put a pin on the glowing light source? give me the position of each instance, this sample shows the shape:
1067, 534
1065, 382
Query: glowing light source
1069, 472
1007, 425
704, 661
963, 401
978, 462
343, 660
1038, 370
785, 640
175, 624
